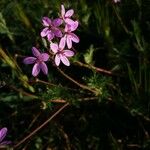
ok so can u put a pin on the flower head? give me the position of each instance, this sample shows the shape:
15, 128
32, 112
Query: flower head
66, 16
51, 28
60, 53
3, 133
69, 36
39, 60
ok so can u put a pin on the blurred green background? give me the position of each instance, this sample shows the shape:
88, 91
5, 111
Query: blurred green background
109, 86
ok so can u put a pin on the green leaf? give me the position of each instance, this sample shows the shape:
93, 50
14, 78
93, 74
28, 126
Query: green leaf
88, 57
138, 36
4, 29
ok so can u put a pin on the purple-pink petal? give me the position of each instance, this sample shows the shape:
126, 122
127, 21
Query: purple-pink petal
44, 57
74, 26
74, 38
64, 60
44, 32
44, 68
68, 53
57, 22
69, 21
57, 60
71, 27
54, 47
29, 60
62, 43
67, 28
57, 32
46, 21
69, 42
69, 13
35, 52
50, 35
36, 69
3, 133
62, 11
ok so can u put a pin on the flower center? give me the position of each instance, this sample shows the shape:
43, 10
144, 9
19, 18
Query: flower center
60, 51
40, 59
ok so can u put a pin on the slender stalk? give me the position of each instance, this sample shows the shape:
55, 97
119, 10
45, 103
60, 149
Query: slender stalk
95, 68
120, 20
79, 99
42, 125
23, 92
45, 82
95, 91
55, 85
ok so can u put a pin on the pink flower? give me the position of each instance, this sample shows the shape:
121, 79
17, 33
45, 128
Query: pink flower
69, 36
3, 133
39, 60
116, 1
67, 15
60, 53
51, 28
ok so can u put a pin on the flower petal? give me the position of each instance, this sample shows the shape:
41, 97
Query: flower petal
69, 21
36, 69
50, 35
62, 43
62, 11
44, 57
68, 53
29, 60
65, 60
35, 52
69, 42
74, 38
57, 32
3, 133
54, 47
71, 26
67, 28
74, 26
46, 21
57, 60
69, 13
44, 68
44, 32
57, 22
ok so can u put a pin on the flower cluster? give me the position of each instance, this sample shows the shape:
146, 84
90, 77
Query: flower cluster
60, 35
